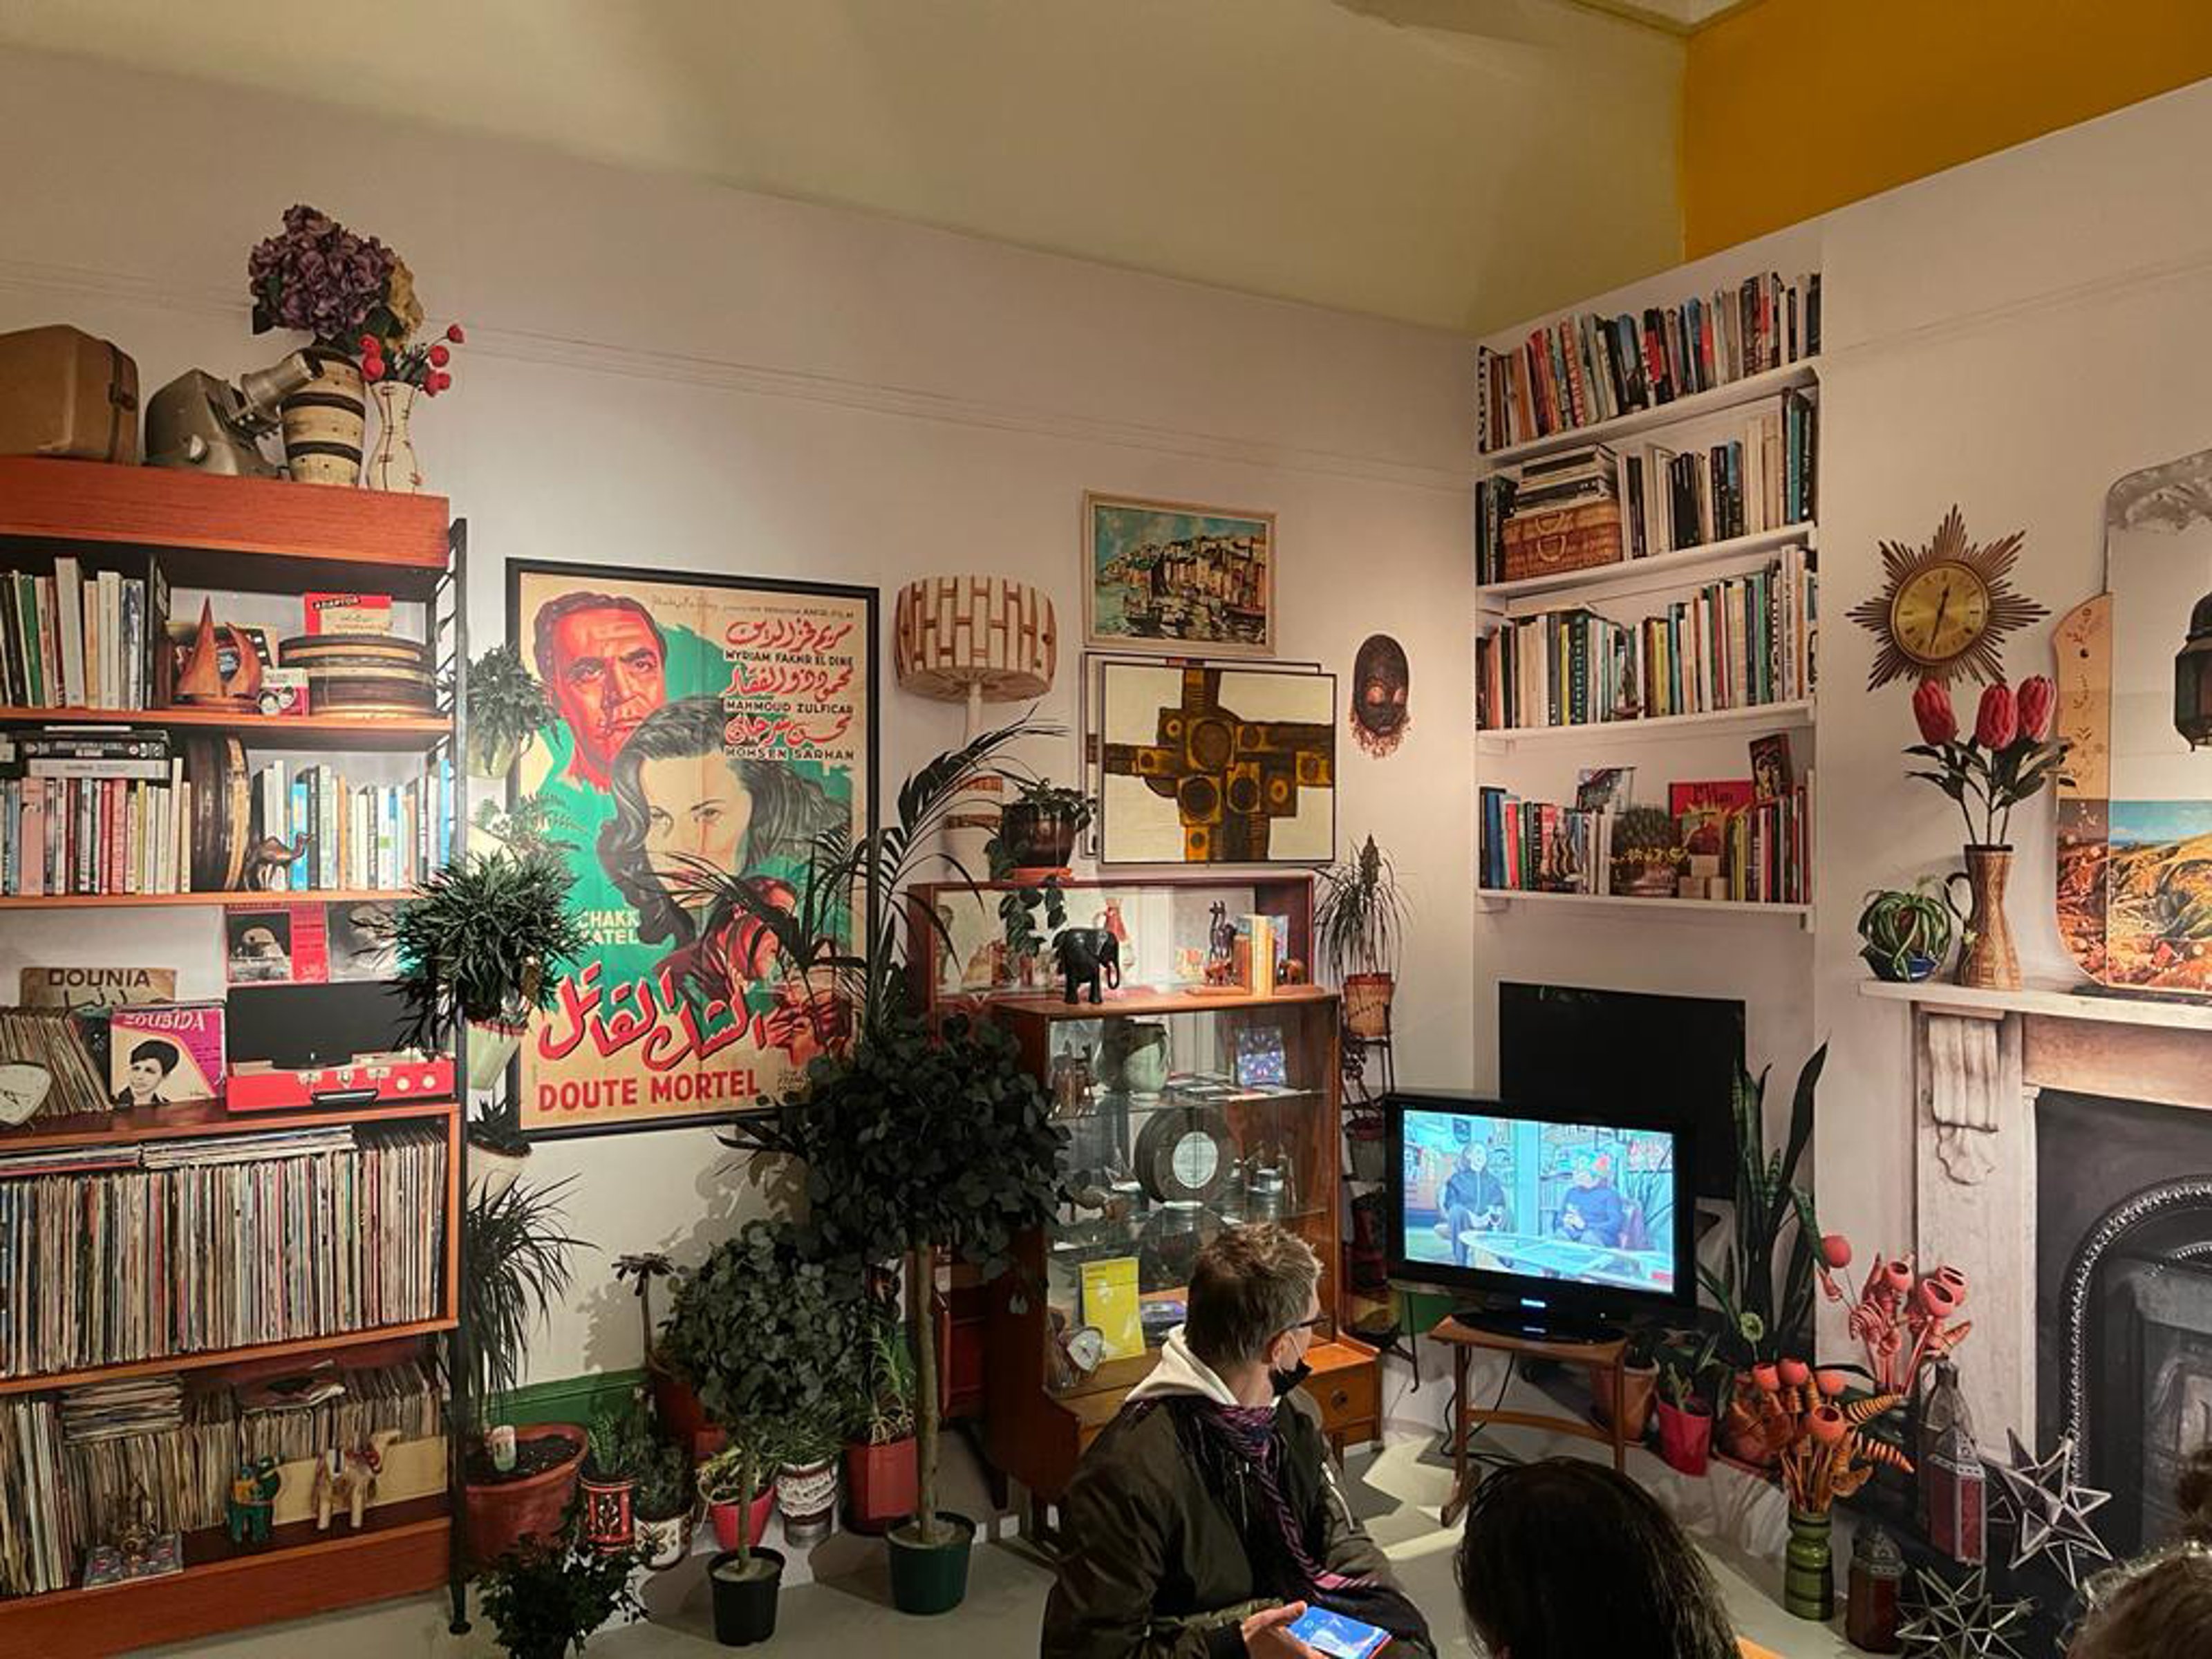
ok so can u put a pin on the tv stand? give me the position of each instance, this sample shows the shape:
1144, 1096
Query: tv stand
1552, 1325
1603, 1357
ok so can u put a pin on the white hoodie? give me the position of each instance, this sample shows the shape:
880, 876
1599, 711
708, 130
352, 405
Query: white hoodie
1181, 1372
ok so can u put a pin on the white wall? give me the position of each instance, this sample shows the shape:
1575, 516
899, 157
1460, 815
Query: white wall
671, 374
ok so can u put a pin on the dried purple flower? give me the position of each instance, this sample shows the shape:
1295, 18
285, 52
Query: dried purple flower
317, 276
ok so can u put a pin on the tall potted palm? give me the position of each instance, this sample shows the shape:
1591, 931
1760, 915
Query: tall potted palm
915, 1141
1359, 928
764, 1331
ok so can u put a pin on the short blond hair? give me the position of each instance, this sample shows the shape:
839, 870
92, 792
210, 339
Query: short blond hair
1250, 1286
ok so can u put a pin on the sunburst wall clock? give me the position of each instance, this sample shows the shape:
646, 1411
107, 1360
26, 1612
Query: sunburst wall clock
1944, 608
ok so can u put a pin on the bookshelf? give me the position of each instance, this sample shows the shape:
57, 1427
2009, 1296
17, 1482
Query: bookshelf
263, 543
1650, 633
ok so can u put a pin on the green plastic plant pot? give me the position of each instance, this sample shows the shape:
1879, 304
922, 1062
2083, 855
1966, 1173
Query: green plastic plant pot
745, 1608
929, 1578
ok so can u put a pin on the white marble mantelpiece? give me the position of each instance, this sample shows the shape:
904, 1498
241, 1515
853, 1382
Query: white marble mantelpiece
1979, 1060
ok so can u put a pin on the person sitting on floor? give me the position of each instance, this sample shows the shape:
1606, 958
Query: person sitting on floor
1566, 1559
2158, 1605
1206, 1518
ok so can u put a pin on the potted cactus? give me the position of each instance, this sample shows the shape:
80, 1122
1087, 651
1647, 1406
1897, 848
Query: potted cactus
1647, 852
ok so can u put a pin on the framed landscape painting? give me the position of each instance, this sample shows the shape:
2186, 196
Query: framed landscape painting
1177, 577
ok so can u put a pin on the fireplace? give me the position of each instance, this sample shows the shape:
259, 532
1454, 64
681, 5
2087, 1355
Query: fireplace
2123, 1298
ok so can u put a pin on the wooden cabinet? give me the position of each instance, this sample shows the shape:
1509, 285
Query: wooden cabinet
1188, 1112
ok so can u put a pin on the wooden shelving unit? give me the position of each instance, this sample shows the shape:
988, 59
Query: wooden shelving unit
272, 537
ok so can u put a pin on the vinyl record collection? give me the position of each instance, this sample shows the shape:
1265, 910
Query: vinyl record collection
1736, 643
71, 1464
291, 1235
52, 1040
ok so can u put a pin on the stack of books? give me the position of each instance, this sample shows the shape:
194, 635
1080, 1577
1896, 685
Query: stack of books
1530, 846
88, 810
1761, 851
1761, 479
186, 1254
1737, 643
380, 837
1581, 370
76, 639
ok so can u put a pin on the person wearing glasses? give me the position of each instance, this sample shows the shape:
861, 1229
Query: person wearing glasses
1206, 1519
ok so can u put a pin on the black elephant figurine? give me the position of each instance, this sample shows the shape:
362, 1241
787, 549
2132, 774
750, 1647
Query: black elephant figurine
1084, 953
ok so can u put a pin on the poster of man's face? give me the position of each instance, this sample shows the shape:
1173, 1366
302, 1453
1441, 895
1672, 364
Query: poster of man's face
604, 660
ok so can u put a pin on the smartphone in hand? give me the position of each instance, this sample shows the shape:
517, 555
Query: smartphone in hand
1337, 1636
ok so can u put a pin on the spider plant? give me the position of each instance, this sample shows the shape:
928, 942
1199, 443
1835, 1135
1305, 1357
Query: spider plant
514, 1268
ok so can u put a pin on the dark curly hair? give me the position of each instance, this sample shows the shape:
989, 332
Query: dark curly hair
1539, 1535
788, 812
2159, 1607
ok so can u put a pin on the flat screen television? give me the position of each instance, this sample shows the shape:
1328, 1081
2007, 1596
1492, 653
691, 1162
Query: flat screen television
1545, 1219
1672, 1058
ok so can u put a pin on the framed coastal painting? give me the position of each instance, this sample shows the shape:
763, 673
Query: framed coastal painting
1212, 764
700, 723
1176, 578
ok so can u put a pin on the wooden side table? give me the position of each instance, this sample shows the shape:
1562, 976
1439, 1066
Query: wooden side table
1604, 1361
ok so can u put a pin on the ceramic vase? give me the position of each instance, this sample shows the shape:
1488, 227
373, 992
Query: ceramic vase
324, 422
1808, 1573
807, 1495
1987, 958
394, 467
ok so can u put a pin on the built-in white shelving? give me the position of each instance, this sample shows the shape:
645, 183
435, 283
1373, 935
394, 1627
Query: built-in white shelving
1608, 733
1683, 566
1749, 390
1674, 910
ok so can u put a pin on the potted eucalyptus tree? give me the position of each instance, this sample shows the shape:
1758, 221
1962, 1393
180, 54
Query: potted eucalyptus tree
916, 1142
1359, 927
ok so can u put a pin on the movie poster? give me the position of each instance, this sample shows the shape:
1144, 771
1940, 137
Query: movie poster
702, 722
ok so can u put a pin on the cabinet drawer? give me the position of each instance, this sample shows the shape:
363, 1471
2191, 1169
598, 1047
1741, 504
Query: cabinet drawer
1347, 1396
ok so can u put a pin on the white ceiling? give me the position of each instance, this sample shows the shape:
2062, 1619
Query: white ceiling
1455, 163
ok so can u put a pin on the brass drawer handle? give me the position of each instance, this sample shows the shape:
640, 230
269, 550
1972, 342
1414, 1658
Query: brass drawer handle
1339, 1400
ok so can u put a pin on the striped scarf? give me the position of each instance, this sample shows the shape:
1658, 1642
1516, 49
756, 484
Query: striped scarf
1248, 1433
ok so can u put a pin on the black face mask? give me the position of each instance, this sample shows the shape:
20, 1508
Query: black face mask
1284, 1380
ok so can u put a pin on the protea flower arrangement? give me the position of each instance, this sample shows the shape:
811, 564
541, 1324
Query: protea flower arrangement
2008, 757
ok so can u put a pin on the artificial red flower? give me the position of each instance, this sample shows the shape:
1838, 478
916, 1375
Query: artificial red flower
2034, 701
1766, 1377
440, 357
439, 381
372, 370
455, 334
1826, 1426
1996, 723
1931, 706
1937, 1297
368, 344
1832, 1382
1836, 1250
1795, 1373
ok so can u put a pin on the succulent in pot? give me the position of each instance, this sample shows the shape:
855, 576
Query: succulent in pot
1906, 933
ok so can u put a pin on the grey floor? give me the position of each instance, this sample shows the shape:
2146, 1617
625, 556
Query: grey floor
836, 1602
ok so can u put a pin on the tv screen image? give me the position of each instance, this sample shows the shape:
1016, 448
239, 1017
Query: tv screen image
1540, 1198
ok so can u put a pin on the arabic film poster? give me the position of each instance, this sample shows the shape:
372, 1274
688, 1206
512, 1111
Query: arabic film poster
698, 720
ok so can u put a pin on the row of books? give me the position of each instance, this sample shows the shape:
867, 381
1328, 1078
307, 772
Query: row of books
1735, 643
87, 810
99, 1269
77, 639
1760, 480
378, 837
1580, 370
1759, 852
61, 1492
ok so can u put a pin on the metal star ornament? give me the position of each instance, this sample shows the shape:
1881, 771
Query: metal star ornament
1962, 1620
2049, 1508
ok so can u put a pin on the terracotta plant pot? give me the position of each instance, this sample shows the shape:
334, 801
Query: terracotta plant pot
499, 1514
880, 1485
1367, 1004
1988, 960
724, 1517
1744, 1437
1639, 1383
1686, 1437
675, 1406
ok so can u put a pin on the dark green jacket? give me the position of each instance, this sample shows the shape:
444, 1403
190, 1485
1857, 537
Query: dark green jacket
1166, 1550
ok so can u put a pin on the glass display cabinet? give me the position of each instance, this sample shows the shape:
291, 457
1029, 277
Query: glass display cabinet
1196, 1098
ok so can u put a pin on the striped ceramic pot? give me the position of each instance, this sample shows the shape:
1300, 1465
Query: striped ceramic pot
325, 423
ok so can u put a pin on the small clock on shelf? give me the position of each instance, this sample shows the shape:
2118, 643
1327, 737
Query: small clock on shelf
1945, 608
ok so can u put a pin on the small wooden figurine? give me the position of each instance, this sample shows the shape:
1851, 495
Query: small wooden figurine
253, 1501
347, 1478
268, 859
203, 682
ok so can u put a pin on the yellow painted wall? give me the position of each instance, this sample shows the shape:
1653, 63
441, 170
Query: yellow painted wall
1792, 108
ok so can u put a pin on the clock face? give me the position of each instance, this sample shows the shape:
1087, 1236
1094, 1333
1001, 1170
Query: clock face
23, 1086
1086, 1347
1195, 1159
1940, 612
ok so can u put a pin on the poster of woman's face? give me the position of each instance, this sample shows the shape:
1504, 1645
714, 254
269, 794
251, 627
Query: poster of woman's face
706, 731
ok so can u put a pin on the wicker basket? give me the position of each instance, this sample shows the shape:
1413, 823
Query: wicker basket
1367, 1004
